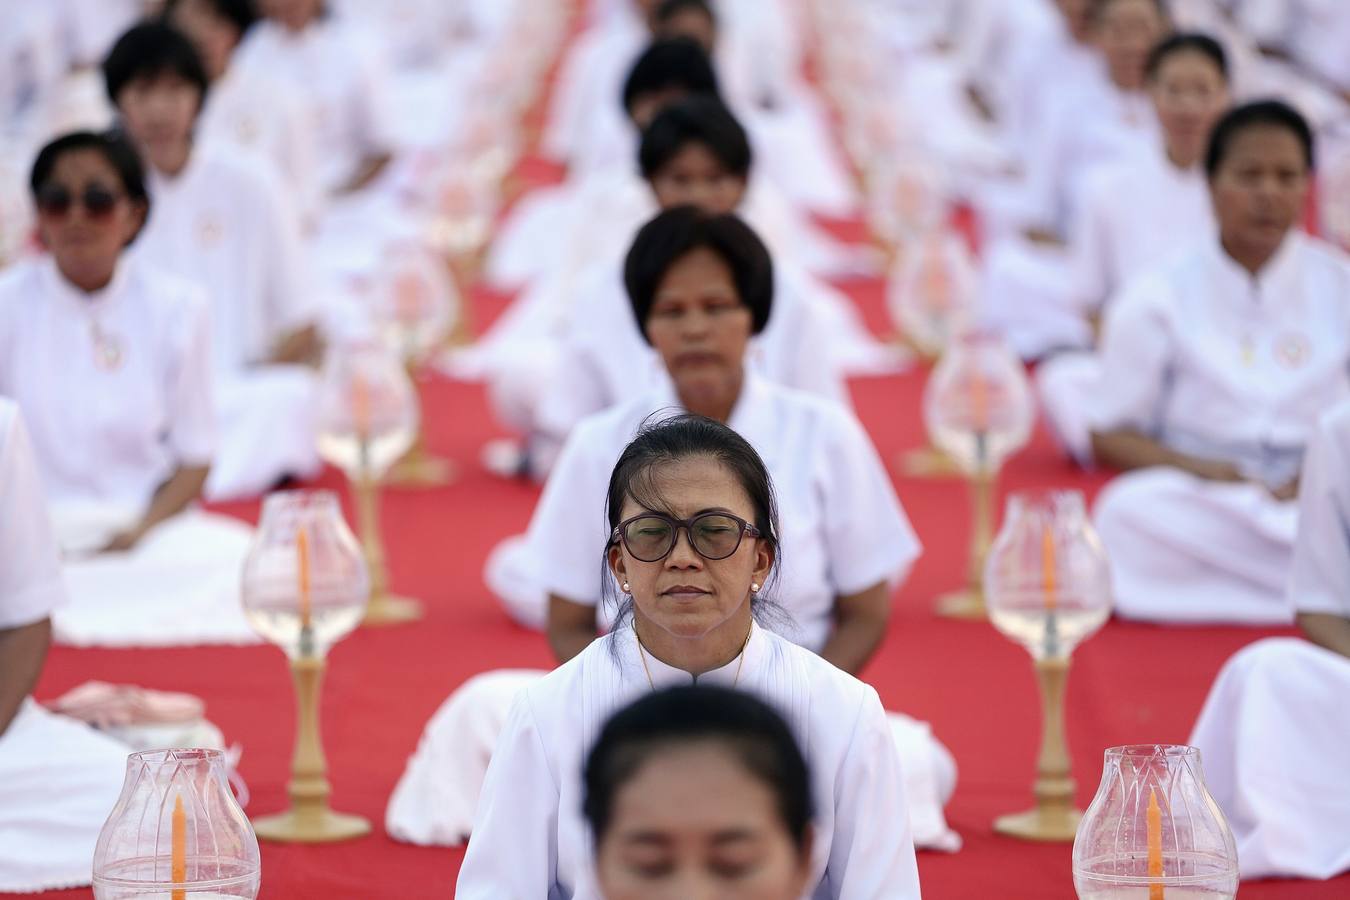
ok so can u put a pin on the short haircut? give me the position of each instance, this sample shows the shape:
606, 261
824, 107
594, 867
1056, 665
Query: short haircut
1186, 42
678, 63
669, 9
149, 50
114, 146
700, 119
751, 731
242, 14
1260, 114
1096, 8
674, 233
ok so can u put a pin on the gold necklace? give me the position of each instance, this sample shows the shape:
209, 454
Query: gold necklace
642, 655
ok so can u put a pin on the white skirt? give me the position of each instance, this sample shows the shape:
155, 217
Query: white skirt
435, 799
1187, 550
179, 586
266, 426
59, 780
1274, 738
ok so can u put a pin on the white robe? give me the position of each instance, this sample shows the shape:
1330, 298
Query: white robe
226, 223
108, 437
1212, 362
1274, 731
1134, 217
59, 779
530, 839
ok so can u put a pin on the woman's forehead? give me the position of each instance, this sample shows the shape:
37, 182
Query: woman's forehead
686, 486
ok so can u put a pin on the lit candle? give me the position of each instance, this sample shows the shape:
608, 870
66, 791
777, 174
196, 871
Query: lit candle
1155, 861
179, 863
1048, 567
302, 560
979, 401
361, 406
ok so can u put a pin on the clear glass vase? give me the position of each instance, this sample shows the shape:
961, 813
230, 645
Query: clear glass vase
176, 833
1153, 831
977, 404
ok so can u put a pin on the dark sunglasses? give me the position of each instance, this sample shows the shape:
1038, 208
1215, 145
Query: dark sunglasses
56, 200
651, 536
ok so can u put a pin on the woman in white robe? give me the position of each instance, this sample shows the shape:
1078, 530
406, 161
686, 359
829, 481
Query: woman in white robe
1215, 370
1273, 733
1134, 216
691, 619
59, 778
222, 218
245, 109
700, 285
109, 360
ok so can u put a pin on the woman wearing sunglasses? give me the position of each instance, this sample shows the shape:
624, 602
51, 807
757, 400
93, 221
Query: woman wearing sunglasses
109, 361
700, 284
690, 486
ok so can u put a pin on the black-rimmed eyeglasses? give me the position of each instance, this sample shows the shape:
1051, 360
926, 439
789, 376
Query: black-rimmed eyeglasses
651, 536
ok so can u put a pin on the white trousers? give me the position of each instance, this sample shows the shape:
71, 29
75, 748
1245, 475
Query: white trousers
1067, 384
267, 431
1187, 550
435, 799
1274, 738
59, 780
1025, 294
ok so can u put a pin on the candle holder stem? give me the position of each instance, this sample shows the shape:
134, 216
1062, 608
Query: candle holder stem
310, 820
419, 468
384, 608
968, 603
1054, 818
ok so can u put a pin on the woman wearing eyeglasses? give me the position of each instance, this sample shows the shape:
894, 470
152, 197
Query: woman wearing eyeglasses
700, 284
696, 542
109, 361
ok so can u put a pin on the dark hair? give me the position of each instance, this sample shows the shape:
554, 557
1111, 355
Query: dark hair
669, 64
669, 9
700, 119
1097, 8
1261, 114
751, 730
669, 439
114, 146
682, 229
242, 14
149, 50
1186, 42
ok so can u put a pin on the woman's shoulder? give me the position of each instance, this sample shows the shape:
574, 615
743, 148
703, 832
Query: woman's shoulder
810, 414
828, 686
17, 280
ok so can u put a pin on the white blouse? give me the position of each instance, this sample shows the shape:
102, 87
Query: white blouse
1212, 361
30, 567
227, 223
843, 529
530, 840
114, 385
1320, 579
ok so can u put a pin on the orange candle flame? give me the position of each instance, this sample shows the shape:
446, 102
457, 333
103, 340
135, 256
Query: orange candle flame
979, 401
302, 560
179, 862
1155, 860
1048, 567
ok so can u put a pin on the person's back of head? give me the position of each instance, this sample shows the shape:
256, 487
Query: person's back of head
666, 70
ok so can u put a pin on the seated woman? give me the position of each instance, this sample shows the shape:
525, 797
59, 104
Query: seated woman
242, 108
109, 359
59, 779
693, 543
1134, 216
1214, 371
1274, 731
701, 285
222, 219
695, 791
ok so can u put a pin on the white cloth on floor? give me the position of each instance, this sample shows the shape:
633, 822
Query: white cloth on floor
843, 528
435, 799
530, 839
225, 223
59, 780
1274, 730
109, 428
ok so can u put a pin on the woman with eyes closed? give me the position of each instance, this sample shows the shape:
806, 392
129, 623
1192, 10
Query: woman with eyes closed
693, 547
699, 792
109, 360
701, 284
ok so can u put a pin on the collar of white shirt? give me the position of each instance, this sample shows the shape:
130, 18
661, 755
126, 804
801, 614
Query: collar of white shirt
56, 285
1279, 269
663, 676
750, 416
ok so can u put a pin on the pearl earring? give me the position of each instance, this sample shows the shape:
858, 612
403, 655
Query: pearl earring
625, 587
754, 588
